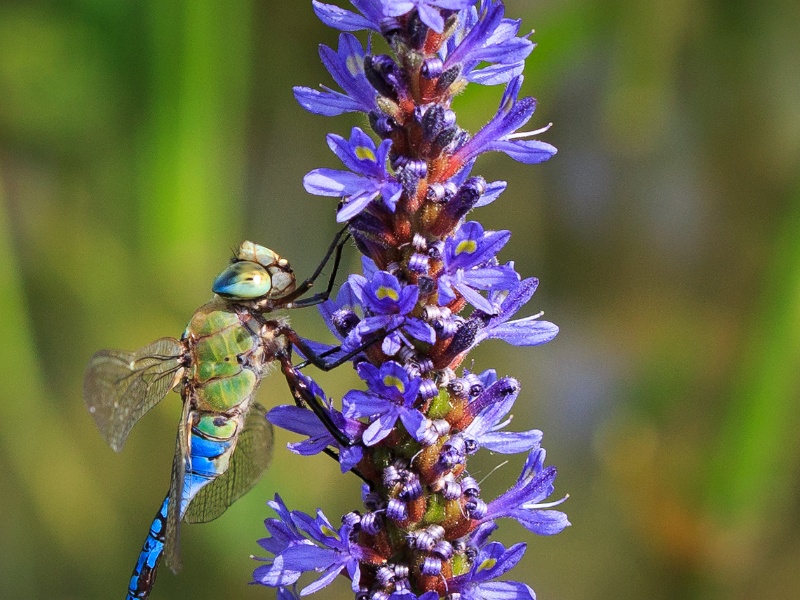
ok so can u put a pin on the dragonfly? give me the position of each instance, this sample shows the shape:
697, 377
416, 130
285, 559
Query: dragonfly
224, 441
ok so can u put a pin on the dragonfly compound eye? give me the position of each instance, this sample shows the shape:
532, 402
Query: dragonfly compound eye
243, 279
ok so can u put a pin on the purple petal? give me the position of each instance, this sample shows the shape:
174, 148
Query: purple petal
326, 103
529, 152
511, 51
431, 17
391, 344
506, 442
346, 66
446, 293
414, 422
354, 205
496, 74
476, 36
293, 418
480, 536
489, 417
379, 429
308, 557
500, 560
500, 277
357, 403
507, 590
516, 298
542, 522
358, 153
396, 8
419, 329
309, 447
408, 298
333, 182
276, 574
325, 580
452, 4
523, 332
491, 193
338, 18
286, 593
391, 192
350, 456
475, 299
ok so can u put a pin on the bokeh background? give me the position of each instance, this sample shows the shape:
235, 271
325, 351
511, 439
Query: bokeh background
141, 140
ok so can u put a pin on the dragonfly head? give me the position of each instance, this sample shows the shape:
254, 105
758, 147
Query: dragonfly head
256, 272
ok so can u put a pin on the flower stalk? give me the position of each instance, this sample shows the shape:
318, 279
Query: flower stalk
432, 288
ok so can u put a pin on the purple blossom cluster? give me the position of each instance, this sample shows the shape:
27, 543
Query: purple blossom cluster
431, 289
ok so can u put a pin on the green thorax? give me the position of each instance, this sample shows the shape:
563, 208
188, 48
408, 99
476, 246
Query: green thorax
226, 348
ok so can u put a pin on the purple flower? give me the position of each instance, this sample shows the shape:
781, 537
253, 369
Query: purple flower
282, 533
386, 304
490, 409
301, 543
470, 265
523, 501
391, 396
484, 36
528, 331
305, 422
493, 561
366, 180
383, 295
347, 68
498, 135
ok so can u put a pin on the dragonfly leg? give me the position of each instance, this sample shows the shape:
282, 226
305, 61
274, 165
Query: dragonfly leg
335, 250
318, 360
303, 396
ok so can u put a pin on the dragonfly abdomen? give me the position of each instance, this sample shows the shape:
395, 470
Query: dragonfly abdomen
213, 440
144, 573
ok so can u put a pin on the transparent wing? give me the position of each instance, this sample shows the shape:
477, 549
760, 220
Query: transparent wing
250, 459
172, 549
120, 387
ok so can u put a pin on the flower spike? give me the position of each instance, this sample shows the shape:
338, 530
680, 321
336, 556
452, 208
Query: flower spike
434, 283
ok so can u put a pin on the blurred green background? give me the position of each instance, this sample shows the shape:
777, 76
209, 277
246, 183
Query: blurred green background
141, 141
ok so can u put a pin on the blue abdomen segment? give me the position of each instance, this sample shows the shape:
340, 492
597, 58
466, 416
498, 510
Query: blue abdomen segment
144, 573
209, 458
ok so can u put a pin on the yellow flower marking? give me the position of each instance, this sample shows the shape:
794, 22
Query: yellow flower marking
363, 153
386, 292
487, 564
468, 246
392, 381
329, 532
354, 66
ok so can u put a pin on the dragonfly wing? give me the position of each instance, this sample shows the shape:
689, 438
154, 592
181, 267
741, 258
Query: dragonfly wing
250, 459
172, 550
120, 387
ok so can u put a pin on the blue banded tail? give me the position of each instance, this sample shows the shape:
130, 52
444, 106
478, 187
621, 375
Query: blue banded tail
219, 471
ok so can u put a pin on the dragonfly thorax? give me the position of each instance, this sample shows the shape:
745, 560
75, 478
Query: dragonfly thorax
256, 273
229, 349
